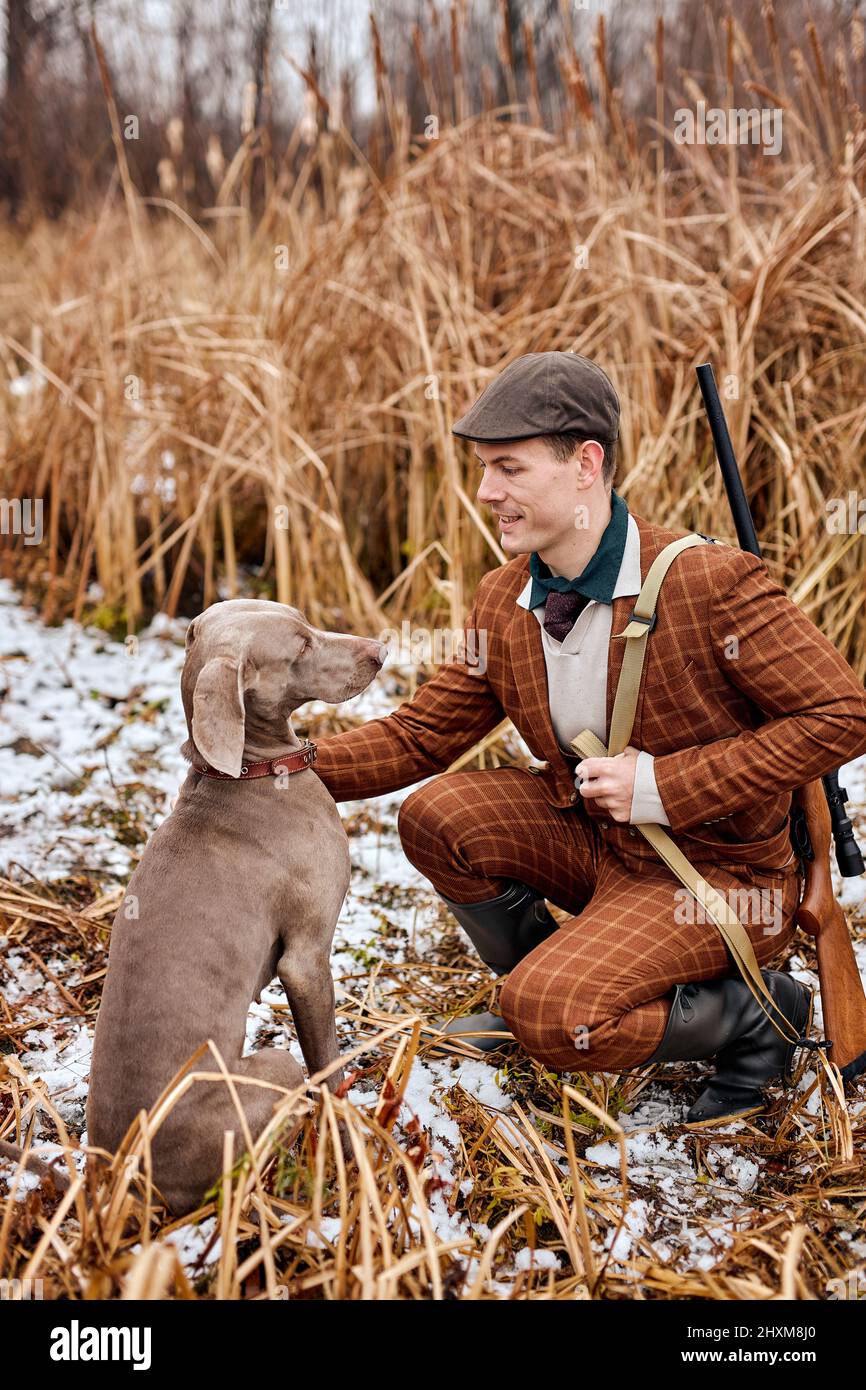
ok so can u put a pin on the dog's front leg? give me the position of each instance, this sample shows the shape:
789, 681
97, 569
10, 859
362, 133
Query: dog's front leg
309, 989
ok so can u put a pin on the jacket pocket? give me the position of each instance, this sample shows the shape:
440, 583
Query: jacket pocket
682, 680
669, 690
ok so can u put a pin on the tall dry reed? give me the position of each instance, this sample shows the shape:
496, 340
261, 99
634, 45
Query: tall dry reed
231, 403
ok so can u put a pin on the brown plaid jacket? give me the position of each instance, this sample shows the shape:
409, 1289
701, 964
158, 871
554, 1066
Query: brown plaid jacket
742, 700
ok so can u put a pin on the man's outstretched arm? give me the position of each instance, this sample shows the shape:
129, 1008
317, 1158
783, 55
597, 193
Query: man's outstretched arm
446, 715
816, 705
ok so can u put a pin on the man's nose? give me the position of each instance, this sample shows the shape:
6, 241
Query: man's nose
488, 490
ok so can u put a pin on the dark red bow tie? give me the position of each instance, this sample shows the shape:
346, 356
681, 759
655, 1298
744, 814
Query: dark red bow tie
561, 610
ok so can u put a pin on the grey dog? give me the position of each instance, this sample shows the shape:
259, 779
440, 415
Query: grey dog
242, 882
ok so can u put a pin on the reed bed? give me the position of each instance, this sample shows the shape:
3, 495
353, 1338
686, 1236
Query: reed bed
236, 402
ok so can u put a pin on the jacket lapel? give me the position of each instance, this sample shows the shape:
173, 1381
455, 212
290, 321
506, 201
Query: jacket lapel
530, 684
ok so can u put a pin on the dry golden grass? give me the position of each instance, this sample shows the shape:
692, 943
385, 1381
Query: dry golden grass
307, 409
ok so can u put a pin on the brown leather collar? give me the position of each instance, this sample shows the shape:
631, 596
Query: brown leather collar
296, 761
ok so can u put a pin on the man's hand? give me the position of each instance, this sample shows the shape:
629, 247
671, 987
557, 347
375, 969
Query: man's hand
610, 781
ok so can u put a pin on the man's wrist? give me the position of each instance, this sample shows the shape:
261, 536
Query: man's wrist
646, 803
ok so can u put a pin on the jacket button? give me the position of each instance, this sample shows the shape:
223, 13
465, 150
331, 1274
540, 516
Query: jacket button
631, 830
573, 797
604, 825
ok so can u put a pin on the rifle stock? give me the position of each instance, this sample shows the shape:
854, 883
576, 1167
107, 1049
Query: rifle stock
842, 998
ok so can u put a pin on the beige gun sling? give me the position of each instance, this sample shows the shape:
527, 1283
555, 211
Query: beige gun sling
586, 743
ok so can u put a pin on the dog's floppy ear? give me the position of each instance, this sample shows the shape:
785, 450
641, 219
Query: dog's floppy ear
218, 714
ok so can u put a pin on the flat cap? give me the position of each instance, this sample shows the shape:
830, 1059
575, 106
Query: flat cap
544, 393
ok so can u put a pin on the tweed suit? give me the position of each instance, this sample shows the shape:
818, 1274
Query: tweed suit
741, 700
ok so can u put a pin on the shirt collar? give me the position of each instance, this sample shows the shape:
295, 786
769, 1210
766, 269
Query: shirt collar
598, 578
628, 580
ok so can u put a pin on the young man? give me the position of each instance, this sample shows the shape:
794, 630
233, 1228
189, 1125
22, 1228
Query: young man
742, 700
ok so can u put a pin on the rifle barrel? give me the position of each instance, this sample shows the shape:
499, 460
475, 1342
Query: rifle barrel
740, 510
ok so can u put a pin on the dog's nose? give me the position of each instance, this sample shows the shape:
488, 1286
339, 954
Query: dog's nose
380, 652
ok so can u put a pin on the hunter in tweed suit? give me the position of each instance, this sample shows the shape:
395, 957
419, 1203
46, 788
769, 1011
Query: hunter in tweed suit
730, 738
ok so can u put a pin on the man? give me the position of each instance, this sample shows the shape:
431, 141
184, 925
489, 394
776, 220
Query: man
742, 699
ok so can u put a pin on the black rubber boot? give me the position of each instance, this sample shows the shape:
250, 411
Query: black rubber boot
722, 1019
503, 930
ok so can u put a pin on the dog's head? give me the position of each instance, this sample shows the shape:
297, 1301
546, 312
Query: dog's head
250, 663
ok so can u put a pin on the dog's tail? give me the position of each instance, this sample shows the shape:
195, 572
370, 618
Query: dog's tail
59, 1176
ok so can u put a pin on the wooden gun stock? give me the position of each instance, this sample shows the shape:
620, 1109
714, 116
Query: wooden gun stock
842, 997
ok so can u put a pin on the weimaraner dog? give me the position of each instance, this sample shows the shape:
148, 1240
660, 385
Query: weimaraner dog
243, 881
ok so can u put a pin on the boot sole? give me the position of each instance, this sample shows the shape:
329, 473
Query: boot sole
723, 1119
502, 1039
437, 1050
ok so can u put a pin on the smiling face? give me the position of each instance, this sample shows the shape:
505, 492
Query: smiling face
536, 500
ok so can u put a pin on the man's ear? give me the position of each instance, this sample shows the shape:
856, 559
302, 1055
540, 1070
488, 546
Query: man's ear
218, 714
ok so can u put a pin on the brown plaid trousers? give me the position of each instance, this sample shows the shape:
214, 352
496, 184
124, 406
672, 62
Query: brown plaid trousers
742, 699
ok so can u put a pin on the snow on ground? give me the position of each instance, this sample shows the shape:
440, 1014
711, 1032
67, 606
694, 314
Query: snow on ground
90, 732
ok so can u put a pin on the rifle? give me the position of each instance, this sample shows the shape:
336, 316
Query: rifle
817, 808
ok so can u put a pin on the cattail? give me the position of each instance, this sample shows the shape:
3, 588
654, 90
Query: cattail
215, 159
174, 135
248, 110
308, 125
818, 53
841, 67
335, 106
858, 42
800, 70
350, 182
504, 44
378, 60
167, 177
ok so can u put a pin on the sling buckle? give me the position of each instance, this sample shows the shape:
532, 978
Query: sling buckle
651, 622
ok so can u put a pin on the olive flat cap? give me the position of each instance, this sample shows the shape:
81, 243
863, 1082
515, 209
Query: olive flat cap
544, 393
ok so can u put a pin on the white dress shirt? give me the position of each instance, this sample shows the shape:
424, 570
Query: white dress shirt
577, 677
